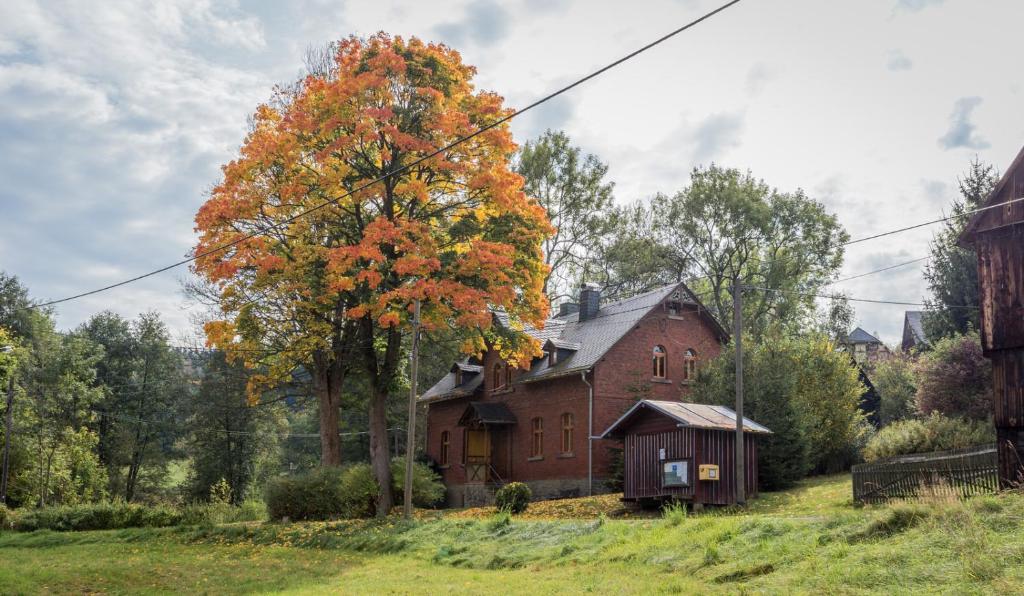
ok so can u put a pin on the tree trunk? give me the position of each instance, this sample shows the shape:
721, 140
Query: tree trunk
380, 456
328, 395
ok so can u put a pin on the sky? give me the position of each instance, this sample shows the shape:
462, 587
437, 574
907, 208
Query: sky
115, 117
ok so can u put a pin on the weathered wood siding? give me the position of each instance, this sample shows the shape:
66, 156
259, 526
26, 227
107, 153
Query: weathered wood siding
643, 468
1001, 281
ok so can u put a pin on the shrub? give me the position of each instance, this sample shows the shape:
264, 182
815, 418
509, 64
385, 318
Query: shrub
955, 379
97, 516
427, 489
359, 490
894, 381
316, 494
220, 492
934, 433
514, 497
5, 517
674, 513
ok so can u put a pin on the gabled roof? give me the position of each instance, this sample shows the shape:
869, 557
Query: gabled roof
859, 336
995, 197
691, 415
584, 343
912, 324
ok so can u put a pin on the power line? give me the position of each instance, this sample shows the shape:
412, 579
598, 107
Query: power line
896, 266
934, 221
842, 297
406, 167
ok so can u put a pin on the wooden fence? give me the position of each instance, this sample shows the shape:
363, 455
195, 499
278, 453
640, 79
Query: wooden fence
942, 474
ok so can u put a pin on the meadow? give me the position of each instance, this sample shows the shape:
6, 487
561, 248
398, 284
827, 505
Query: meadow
809, 539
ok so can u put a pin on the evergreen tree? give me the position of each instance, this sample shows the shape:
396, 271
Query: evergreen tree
952, 271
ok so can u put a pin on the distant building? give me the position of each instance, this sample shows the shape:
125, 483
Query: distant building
913, 331
865, 348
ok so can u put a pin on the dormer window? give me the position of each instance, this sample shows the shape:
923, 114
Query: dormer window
552, 356
458, 376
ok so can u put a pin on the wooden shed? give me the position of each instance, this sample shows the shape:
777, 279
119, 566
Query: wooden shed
675, 450
997, 235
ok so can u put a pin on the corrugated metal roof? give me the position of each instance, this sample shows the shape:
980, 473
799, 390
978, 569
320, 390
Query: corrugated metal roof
693, 415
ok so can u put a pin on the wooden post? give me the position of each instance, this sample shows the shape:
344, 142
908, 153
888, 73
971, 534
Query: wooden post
737, 338
410, 442
9, 415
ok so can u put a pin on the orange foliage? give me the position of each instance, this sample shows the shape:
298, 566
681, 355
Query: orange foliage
455, 231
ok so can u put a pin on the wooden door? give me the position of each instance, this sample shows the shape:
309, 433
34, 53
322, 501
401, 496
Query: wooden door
478, 455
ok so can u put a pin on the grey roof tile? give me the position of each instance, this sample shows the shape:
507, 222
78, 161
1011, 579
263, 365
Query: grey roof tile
692, 415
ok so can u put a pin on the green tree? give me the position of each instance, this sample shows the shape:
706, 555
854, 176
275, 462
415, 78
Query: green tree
232, 441
802, 389
572, 189
952, 271
894, 381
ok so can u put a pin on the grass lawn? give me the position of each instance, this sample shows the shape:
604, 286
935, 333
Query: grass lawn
810, 539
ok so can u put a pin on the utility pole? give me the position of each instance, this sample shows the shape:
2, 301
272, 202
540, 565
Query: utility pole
9, 415
410, 440
737, 338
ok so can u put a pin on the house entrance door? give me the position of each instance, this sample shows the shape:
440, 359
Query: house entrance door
478, 455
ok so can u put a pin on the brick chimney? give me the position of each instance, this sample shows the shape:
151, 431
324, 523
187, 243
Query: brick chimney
590, 301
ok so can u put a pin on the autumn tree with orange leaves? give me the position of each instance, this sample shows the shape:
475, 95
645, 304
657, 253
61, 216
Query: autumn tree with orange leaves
332, 289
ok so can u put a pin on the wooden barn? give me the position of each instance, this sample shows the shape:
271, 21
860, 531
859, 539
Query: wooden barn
997, 235
675, 450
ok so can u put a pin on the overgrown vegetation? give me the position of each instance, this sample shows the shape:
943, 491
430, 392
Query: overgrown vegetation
119, 515
810, 539
932, 433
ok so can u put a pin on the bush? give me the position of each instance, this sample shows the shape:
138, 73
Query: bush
934, 433
98, 516
955, 379
222, 513
220, 492
316, 494
514, 497
5, 517
359, 491
427, 489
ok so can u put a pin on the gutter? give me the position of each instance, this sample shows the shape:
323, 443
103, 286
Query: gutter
590, 434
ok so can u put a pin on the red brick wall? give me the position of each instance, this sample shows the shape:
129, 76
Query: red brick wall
620, 378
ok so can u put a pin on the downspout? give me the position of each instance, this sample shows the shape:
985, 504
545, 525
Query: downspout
590, 434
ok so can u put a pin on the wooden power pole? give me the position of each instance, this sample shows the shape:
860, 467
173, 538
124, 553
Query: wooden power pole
9, 415
737, 338
410, 432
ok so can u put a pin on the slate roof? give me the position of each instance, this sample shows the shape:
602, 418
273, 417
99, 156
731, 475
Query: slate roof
446, 387
691, 415
581, 344
859, 336
913, 328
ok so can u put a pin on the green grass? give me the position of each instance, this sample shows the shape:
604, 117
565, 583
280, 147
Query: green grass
810, 539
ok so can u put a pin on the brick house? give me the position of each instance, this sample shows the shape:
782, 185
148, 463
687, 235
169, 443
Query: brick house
488, 424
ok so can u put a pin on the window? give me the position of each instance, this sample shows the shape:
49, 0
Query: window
659, 362
446, 442
567, 427
553, 357
675, 473
498, 377
458, 376
537, 446
690, 365
508, 376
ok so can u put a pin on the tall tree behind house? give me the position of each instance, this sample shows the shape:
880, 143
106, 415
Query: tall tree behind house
726, 224
952, 271
572, 189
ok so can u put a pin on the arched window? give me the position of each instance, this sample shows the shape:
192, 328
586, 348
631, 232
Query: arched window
567, 428
659, 362
498, 376
508, 376
690, 365
446, 442
537, 445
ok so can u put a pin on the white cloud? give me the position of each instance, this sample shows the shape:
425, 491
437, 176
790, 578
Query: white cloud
962, 132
